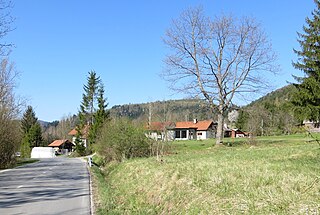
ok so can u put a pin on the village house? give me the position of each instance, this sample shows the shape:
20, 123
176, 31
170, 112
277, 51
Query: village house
234, 132
198, 130
161, 130
83, 137
195, 130
237, 133
311, 125
190, 130
62, 146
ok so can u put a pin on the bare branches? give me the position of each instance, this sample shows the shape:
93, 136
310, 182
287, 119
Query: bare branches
10, 104
218, 59
6, 21
226, 56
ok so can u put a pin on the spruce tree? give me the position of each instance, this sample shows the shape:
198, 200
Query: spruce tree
99, 116
307, 96
32, 133
93, 107
28, 120
80, 148
35, 135
90, 96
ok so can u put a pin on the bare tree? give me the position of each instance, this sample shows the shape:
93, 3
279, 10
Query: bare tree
9, 102
218, 59
6, 21
10, 106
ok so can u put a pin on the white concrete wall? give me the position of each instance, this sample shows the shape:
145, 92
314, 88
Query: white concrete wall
42, 152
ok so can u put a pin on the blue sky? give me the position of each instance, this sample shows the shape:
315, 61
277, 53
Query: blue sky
58, 42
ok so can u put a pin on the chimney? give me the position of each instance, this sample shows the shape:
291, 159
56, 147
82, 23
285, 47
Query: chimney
195, 121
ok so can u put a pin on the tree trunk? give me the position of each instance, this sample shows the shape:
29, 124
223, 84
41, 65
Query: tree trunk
219, 136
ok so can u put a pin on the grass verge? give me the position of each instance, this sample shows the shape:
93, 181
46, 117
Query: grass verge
24, 161
277, 175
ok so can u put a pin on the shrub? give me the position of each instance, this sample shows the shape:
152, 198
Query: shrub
120, 140
9, 142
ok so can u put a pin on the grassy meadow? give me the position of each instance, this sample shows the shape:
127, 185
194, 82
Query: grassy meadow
273, 175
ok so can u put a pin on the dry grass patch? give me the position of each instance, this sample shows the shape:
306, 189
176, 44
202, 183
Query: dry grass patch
270, 178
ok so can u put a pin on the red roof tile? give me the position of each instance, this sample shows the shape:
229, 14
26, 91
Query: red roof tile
58, 143
85, 131
200, 125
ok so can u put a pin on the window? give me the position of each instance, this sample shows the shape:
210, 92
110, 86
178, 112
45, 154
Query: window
177, 134
200, 134
183, 134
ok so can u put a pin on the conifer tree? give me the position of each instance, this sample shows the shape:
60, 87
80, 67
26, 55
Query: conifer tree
32, 133
90, 96
28, 120
93, 107
100, 115
80, 148
35, 135
307, 96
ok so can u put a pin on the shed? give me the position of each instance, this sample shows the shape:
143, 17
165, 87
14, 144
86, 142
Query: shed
62, 146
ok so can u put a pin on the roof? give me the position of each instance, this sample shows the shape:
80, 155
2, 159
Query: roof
58, 143
199, 125
160, 126
84, 131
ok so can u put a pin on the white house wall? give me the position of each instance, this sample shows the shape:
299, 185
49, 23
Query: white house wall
167, 136
202, 135
198, 135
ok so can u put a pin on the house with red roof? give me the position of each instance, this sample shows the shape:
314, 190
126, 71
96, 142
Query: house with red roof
197, 130
62, 146
83, 137
190, 130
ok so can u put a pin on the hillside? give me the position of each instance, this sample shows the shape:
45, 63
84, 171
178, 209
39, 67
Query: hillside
279, 96
269, 115
171, 110
279, 175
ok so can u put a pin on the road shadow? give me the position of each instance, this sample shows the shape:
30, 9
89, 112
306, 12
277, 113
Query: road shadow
51, 180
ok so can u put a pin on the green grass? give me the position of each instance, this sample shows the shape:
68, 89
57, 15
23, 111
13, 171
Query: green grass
24, 161
277, 175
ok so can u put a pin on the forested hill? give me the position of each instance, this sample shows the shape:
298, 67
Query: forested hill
280, 97
271, 114
171, 110
269, 107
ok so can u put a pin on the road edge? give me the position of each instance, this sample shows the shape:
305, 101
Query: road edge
92, 211
17, 167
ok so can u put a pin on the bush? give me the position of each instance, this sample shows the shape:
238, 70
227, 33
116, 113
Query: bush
120, 140
9, 142
25, 147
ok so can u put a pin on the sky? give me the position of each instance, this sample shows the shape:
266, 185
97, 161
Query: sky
58, 42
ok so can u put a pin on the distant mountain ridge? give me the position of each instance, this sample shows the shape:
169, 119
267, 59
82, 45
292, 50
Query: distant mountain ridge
43, 123
171, 110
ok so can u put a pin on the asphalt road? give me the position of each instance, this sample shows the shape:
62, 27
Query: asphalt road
51, 186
